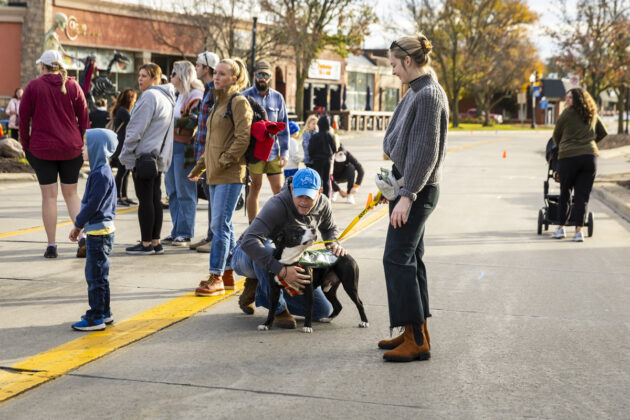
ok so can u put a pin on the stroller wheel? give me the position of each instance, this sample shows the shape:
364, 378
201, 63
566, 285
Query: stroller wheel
590, 224
541, 218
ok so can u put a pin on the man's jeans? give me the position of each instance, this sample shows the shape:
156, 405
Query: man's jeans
223, 199
182, 194
245, 266
98, 248
405, 272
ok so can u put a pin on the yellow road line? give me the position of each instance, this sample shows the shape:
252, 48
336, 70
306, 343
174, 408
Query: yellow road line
69, 222
55, 362
479, 143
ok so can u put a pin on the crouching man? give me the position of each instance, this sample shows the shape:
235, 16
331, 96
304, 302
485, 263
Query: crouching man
299, 205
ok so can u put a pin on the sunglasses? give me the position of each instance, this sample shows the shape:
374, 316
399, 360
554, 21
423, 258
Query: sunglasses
173, 74
263, 76
396, 44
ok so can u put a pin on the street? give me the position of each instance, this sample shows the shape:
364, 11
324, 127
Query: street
523, 325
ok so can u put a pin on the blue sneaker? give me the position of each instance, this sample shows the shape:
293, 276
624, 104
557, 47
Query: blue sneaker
108, 318
89, 325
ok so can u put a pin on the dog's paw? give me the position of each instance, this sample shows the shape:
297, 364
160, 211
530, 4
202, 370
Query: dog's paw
364, 324
307, 330
325, 320
263, 328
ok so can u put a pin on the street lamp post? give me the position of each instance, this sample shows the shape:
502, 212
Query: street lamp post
532, 80
253, 63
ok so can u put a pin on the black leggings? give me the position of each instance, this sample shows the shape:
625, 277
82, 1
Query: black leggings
122, 179
322, 167
577, 174
348, 175
149, 206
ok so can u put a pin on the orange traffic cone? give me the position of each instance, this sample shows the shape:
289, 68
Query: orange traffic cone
334, 125
504, 154
369, 201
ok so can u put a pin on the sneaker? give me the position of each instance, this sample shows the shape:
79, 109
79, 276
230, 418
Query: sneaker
350, 199
164, 204
195, 245
159, 249
578, 237
246, 299
205, 248
284, 320
335, 196
51, 252
181, 241
138, 249
211, 287
559, 233
130, 202
122, 203
89, 325
82, 251
168, 240
108, 318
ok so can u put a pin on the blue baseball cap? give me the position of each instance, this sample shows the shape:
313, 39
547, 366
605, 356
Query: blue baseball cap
293, 128
306, 182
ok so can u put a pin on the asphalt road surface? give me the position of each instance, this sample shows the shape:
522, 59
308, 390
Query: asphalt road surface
523, 326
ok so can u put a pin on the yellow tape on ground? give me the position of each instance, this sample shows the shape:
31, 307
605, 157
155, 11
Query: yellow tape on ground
35, 229
55, 362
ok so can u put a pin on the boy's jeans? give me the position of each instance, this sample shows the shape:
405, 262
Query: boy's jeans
245, 266
182, 194
223, 199
98, 247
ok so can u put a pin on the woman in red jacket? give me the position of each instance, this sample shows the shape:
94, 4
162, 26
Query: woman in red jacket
53, 120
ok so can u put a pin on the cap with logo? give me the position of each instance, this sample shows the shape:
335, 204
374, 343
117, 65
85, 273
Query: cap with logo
306, 182
263, 67
50, 58
209, 59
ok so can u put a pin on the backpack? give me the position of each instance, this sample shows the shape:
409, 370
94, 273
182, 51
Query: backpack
259, 115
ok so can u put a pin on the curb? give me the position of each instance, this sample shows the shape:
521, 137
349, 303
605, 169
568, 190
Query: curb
20, 177
615, 197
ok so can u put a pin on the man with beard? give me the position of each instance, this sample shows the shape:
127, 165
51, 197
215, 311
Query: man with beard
273, 102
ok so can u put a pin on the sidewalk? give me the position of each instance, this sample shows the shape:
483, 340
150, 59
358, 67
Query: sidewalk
613, 167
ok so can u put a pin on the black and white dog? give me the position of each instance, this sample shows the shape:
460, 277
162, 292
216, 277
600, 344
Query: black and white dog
345, 271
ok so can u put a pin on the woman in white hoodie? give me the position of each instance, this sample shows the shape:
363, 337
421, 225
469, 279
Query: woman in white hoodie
150, 130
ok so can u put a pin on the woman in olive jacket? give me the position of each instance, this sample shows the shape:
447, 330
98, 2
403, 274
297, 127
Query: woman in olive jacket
224, 161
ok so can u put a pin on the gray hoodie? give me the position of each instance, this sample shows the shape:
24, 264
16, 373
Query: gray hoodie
152, 116
278, 214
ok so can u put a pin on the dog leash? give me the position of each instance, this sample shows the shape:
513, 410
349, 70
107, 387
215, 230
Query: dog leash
371, 203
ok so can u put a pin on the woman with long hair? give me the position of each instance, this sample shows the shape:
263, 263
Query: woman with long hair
182, 194
53, 120
416, 143
121, 114
13, 109
224, 162
150, 131
576, 135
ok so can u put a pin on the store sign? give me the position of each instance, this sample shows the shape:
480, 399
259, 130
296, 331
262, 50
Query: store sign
325, 69
74, 28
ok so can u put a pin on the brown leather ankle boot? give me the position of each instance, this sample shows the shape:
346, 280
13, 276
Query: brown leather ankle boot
409, 350
426, 332
391, 344
247, 298
228, 279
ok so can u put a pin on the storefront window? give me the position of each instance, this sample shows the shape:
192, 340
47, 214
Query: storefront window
360, 91
391, 99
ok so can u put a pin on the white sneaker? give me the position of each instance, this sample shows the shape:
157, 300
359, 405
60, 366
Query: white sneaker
559, 233
350, 199
335, 196
578, 237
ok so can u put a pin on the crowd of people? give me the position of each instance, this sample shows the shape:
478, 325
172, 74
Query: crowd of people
198, 129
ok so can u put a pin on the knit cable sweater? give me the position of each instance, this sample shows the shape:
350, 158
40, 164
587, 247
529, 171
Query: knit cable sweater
416, 136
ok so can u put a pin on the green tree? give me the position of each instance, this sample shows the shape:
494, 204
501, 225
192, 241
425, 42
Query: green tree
309, 26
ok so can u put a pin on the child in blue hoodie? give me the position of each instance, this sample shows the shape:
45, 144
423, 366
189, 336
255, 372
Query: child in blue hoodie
96, 219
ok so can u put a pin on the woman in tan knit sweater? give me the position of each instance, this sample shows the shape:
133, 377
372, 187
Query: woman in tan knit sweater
576, 133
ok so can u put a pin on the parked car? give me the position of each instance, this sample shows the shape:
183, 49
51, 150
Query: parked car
472, 113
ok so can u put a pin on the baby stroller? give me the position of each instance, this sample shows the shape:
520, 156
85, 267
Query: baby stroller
549, 214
